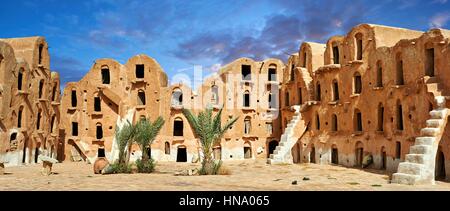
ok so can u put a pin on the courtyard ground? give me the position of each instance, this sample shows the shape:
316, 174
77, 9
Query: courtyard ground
253, 175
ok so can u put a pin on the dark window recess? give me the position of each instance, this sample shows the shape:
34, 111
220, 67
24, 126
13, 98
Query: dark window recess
178, 128
19, 117
141, 98
358, 126
97, 104
399, 117
99, 132
429, 62
74, 98
246, 72
41, 49
19, 80
140, 71
41, 87
38, 121
101, 152
335, 91
358, 84
398, 150
335, 55
246, 100
74, 128
272, 74
181, 155
105, 76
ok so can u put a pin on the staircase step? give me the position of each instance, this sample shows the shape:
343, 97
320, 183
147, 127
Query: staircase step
429, 132
434, 123
282, 144
432, 87
425, 140
417, 158
278, 148
440, 101
420, 149
406, 179
438, 113
410, 168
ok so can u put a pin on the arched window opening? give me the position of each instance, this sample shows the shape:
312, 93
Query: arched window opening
335, 91
318, 92
106, 79
286, 99
215, 95
141, 97
359, 46
19, 117
272, 74
247, 125
398, 150
74, 98
317, 122
357, 83
177, 97
247, 99
334, 123
167, 148
300, 96
99, 131
41, 88
358, 127
429, 62
399, 116
336, 54
97, 104
380, 124
41, 49
178, 127
246, 71
379, 74
399, 70
20, 79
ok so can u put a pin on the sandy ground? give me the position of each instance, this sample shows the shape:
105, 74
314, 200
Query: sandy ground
245, 175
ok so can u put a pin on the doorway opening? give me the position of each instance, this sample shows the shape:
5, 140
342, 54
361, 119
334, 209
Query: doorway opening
181, 154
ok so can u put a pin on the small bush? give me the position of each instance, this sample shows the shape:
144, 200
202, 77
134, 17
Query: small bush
120, 168
217, 169
145, 166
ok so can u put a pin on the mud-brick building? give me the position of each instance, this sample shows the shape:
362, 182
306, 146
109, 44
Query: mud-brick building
112, 94
29, 101
380, 98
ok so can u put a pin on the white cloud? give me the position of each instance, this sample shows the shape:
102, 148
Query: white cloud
439, 20
440, 1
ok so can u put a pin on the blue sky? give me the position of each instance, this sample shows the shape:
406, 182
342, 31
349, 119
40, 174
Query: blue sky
183, 33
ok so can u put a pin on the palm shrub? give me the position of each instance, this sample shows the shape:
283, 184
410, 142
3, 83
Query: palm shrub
145, 134
124, 138
209, 130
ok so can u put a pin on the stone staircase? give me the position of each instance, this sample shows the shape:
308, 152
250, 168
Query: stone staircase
419, 165
282, 153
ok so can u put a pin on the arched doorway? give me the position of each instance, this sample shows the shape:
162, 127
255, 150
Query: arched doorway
383, 158
272, 146
247, 150
181, 154
359, 154
334, 155
440, 166
312, 154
